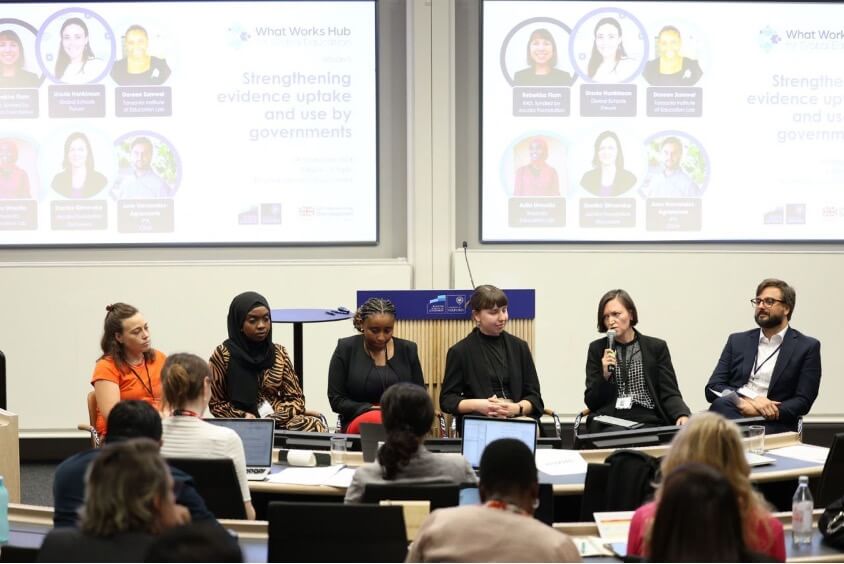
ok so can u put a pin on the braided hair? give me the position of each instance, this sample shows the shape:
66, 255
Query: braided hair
373, 306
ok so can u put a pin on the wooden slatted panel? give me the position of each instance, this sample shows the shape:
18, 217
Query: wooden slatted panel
435, 337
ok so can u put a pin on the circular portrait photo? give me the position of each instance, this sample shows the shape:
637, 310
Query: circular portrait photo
18, 174
609, 46
537, 167
607, 177
677, 167
531, 55
141, 61
79, 177
148, 167
18, 64
76, 46
675, 63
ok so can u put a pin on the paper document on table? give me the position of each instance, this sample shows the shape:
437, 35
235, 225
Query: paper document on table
613, 525
809, 453
305, 476
341, 479
591, 546
559, 462
726, 392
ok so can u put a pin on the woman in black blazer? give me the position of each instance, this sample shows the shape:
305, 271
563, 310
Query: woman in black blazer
490, 372
364, 366
635, 379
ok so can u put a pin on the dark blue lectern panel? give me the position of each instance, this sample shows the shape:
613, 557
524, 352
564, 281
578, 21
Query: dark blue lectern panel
447, 304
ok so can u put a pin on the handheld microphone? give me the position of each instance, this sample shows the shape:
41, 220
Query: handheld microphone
469, 268
611, 346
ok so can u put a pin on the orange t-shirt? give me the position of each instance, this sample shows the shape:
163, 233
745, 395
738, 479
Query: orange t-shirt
136, 383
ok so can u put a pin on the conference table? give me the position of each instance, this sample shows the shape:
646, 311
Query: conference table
783, 469
29, 524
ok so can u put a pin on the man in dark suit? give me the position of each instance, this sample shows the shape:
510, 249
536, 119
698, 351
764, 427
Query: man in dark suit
774, 372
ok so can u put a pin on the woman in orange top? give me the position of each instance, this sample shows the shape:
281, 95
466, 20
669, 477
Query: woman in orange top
129, 367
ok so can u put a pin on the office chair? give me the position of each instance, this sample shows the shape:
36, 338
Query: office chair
621, 483
440, 494
216, 481
335, 532
91, 426
831, 486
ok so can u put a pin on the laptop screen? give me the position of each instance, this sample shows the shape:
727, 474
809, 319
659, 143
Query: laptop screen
480, 431
257, 438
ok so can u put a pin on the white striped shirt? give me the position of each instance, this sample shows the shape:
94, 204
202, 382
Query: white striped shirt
186, 436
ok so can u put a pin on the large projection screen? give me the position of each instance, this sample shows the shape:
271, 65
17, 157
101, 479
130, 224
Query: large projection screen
662, 121
173, 123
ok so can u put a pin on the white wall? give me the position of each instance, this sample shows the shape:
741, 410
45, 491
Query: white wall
692, 299
53, 315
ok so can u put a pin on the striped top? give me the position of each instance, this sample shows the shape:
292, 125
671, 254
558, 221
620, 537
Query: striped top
186, 436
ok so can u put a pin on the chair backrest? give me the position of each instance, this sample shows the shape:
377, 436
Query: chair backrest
831, 485
623, 482
335, 532
216, 481
91, 400
439, 494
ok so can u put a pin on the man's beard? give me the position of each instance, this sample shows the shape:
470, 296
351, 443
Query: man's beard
771, 321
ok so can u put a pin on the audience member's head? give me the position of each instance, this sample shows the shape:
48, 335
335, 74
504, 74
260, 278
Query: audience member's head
185, 379
710, 439
698, 518
194, 543
128, 488
407, 414
508, 474
133, 419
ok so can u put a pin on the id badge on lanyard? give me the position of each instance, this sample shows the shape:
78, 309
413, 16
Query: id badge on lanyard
624, 402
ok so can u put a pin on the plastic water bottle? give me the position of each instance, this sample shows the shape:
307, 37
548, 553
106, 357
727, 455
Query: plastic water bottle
4, 512
802, 506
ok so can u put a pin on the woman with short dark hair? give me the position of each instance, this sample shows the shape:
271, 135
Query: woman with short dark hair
407, 413
634, 379
491, 372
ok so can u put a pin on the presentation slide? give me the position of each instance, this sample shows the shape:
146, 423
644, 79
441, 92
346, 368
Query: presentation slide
662, 121
150, 123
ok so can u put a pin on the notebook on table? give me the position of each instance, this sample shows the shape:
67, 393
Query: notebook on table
478, 432
257, 437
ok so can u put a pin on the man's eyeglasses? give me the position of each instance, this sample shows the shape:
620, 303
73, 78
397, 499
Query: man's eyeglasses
769, 302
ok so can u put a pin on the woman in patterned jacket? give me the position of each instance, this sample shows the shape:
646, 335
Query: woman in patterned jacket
253, 377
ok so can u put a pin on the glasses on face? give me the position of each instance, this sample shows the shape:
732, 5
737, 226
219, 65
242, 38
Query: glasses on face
769, 302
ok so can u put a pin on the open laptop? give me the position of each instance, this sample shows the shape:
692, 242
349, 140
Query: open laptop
480, 431
370, 435
257, 438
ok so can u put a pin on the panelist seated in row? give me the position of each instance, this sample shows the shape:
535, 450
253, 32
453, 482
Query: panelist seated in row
773, 371
185, 380
129, 367
364, 366
634, 379
253, 377
408, 414
491, 372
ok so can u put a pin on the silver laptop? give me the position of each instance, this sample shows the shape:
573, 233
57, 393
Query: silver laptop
257, 438
478, 432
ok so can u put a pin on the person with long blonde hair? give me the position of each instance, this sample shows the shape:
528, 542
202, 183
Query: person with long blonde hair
709, 438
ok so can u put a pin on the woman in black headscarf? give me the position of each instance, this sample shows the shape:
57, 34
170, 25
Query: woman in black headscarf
253, 377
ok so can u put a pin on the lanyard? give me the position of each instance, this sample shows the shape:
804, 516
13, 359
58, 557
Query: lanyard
186, 412
148, 385
504, 506
758, 367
